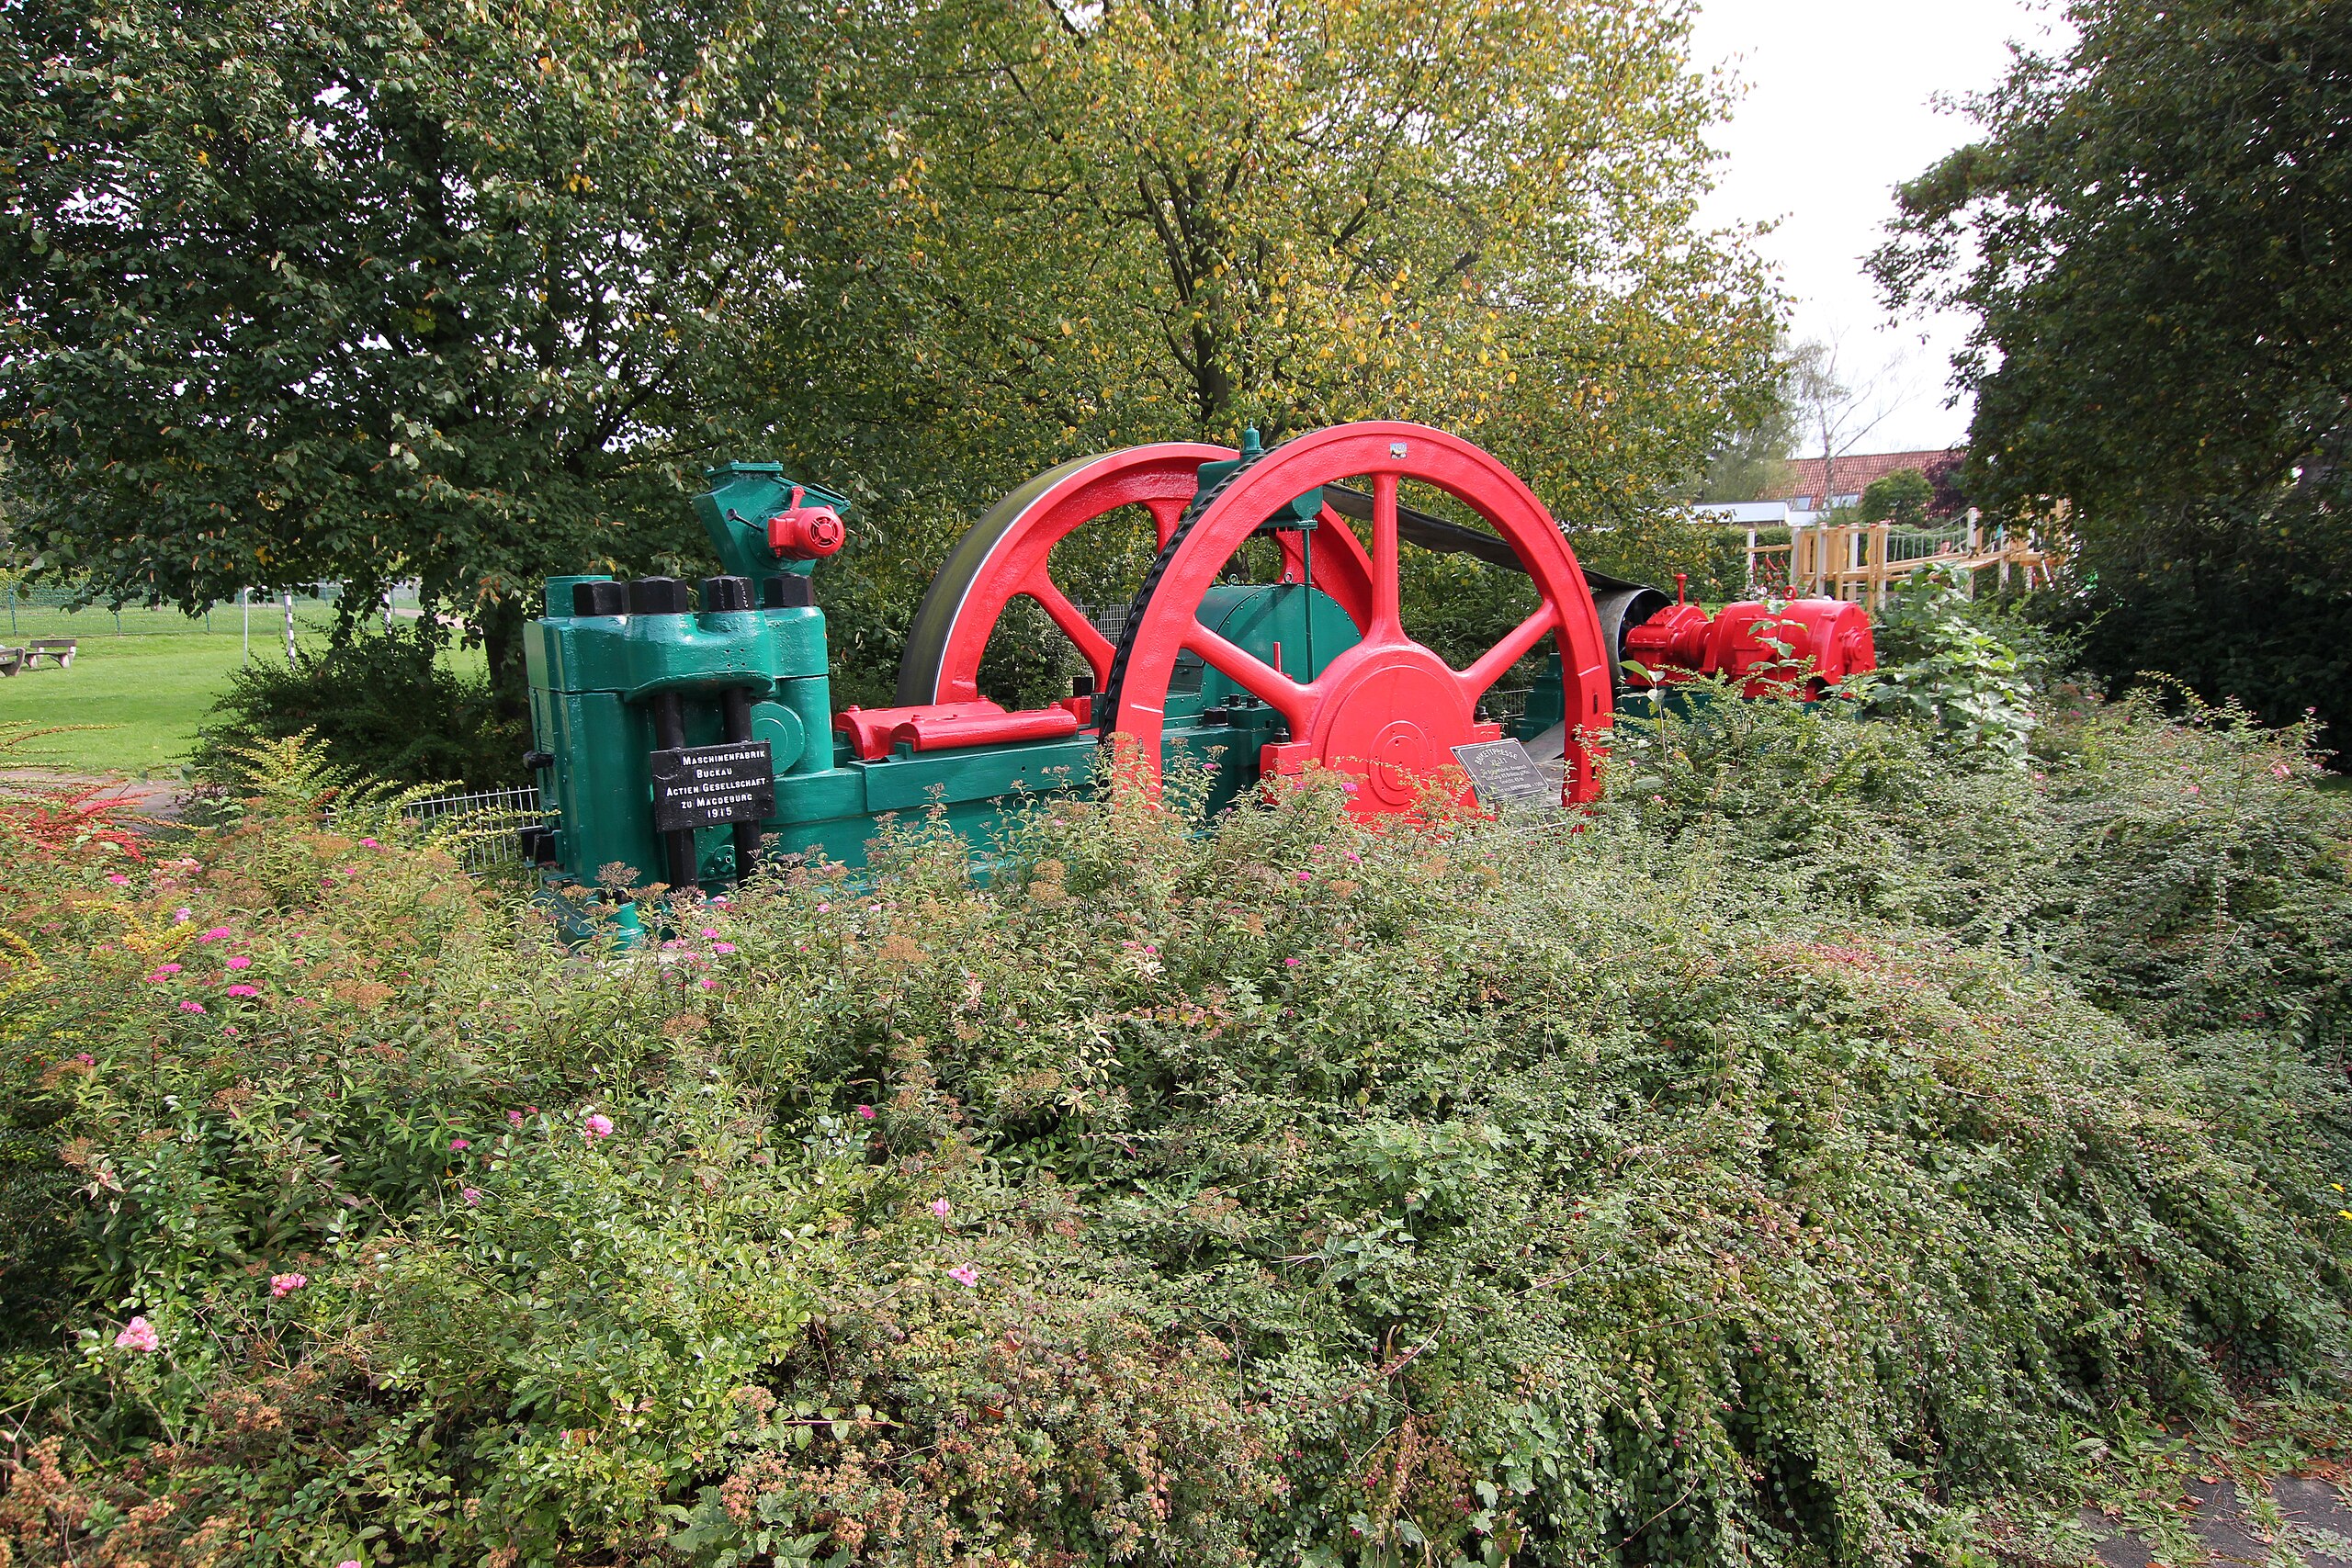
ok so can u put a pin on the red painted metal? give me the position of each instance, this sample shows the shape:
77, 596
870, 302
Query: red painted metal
1826, 640
806, 533
1388, 709
1161, 479
1822, 641
874, 733
1670, 644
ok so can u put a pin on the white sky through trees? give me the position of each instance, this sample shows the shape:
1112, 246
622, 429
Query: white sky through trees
1835, 112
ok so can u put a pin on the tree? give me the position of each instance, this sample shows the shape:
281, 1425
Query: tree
375, 289
1177, 218
1751, 459
1838, 405
2150, 236
1902, 498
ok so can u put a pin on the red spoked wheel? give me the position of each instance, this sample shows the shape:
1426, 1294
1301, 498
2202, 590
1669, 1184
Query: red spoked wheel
1389, 710
1006, 555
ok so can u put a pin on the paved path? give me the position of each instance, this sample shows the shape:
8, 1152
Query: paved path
2315, 1527
148, 797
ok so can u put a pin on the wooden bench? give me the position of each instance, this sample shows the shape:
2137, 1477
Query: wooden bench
58, 650
11, 660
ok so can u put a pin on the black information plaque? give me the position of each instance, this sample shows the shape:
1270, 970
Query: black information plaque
707, 786
1504, 774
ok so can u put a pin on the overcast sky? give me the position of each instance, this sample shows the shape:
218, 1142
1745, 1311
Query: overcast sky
1836, 113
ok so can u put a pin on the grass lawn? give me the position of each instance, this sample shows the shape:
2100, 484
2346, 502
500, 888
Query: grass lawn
147, 693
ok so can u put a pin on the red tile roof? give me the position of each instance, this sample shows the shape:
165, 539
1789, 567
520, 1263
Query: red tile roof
1802, 476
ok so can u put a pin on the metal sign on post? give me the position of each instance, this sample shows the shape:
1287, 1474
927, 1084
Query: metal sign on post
1505, 776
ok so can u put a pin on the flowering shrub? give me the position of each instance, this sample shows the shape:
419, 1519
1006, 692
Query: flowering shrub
1807, 1147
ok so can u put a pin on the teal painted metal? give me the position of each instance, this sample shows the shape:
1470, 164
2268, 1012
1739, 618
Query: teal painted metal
599, 681
1302, 513
735, 509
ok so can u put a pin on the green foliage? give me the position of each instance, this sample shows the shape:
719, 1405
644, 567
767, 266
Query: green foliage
2147, 236
374, 290
383, 706
2241, 602
1902, 498
1819, 1142
1941, 663
1250, 239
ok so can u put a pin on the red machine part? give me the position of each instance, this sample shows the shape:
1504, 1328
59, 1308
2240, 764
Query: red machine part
1006, 556
1820, 642
874, 733
1389, 709
805, 533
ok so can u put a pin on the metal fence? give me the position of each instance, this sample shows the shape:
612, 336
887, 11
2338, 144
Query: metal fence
1504, 707
486, 824
52, 612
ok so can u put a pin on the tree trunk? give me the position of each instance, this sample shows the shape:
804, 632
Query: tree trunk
501, 639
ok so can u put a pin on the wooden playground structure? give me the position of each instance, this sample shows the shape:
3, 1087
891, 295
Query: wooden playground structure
1859, 562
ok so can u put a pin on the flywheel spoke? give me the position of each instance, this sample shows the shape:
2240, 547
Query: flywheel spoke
1164, 514
1387, 625
1490, 665
1091, 644
1252, 674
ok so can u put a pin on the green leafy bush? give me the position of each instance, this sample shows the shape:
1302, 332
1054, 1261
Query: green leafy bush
1769, 1169
1902, 498
1956, 667
384, 707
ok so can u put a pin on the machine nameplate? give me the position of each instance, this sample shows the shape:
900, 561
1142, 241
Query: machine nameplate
1504, 774
707, 786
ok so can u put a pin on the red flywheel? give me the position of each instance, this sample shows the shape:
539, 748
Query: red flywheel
1006, 555
1389, 709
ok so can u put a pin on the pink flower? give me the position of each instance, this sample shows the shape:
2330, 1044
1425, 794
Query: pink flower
472, 1195
242, 991
229, 1030
182, 916
722, 947
942, 1207
370, 844
460, 1144
1307, 877
119, 879
515, 1118
1290, 962
286, 1285
824, 909
965, 1275
163, 970
218, 933
865, 1113
348, 1562
2277, 769
191, 1007
85, 1058
710, 930
708, 984
600, 1126
240, 962
2194, 790
138, 1335
1354, 859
